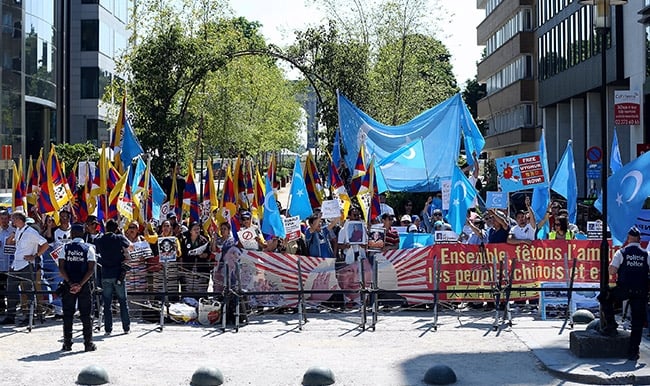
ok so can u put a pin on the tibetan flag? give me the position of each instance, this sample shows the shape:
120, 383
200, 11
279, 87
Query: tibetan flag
19, 202
32, 183
121, 194
368, 196
83, 197
240, 184
358, 172
190, 199
272, 223
337, 188
55, 192
116, 133
272, 170
228, 207
313, 182
174, 205
111, 183
259, 188
210, 202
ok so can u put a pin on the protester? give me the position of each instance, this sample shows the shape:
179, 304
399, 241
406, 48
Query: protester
5, 256
353, 237
630, 265
62, 232
416, 225
498, 228
220, 247
561, 229
524, 231
113, 249
76, 267
195, 264
257, 243
391, 236
384, 207
479, 235
30, 246
49, 227
136, 258
318, 239
92, 230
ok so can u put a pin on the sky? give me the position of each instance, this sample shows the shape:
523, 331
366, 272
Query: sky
280, 17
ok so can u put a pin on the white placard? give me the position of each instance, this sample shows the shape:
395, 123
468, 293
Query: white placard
248, 239
445, 186
292, 228
331, 209
141, 249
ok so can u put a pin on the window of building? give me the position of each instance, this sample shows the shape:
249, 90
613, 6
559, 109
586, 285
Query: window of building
89, 35
92, 129
89, 1
105, 39
89, 82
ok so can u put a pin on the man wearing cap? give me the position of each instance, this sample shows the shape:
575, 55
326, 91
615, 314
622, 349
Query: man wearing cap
247, 227
384, 207
30, 246
76, 266
630, 265
91, 229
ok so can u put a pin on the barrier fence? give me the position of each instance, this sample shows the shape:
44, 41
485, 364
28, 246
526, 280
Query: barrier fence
397, 279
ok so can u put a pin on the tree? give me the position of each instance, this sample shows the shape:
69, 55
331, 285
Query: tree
475, 91
334, 63
70, 154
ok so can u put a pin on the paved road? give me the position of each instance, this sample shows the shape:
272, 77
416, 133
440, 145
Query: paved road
271, 350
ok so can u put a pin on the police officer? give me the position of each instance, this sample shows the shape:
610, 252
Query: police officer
631, 266
76, 265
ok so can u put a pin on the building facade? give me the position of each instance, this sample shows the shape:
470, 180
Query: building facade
508, 69
569, 68
57, 58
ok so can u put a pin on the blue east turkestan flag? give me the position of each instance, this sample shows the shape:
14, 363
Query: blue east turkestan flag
564, 182
131, 148
404, 164
461, 199
615, 161
336, 149
627, 190
541, 195
272, 223
299, 204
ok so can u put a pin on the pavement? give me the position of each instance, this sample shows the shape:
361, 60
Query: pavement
273, 349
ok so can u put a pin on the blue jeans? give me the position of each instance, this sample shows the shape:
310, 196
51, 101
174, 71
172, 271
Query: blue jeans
110, 287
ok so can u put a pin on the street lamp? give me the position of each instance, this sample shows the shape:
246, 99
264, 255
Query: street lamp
602, 23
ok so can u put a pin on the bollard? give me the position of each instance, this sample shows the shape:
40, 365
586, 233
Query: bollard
440, 375
207, 376
318, 376
583, 317
92, 375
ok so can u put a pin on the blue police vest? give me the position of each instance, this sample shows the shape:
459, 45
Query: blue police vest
76, 260
633, 272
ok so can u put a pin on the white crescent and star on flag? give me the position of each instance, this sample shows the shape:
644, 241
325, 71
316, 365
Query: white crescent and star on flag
638, 180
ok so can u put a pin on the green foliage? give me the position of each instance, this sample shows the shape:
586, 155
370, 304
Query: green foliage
474, 91
70, 154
